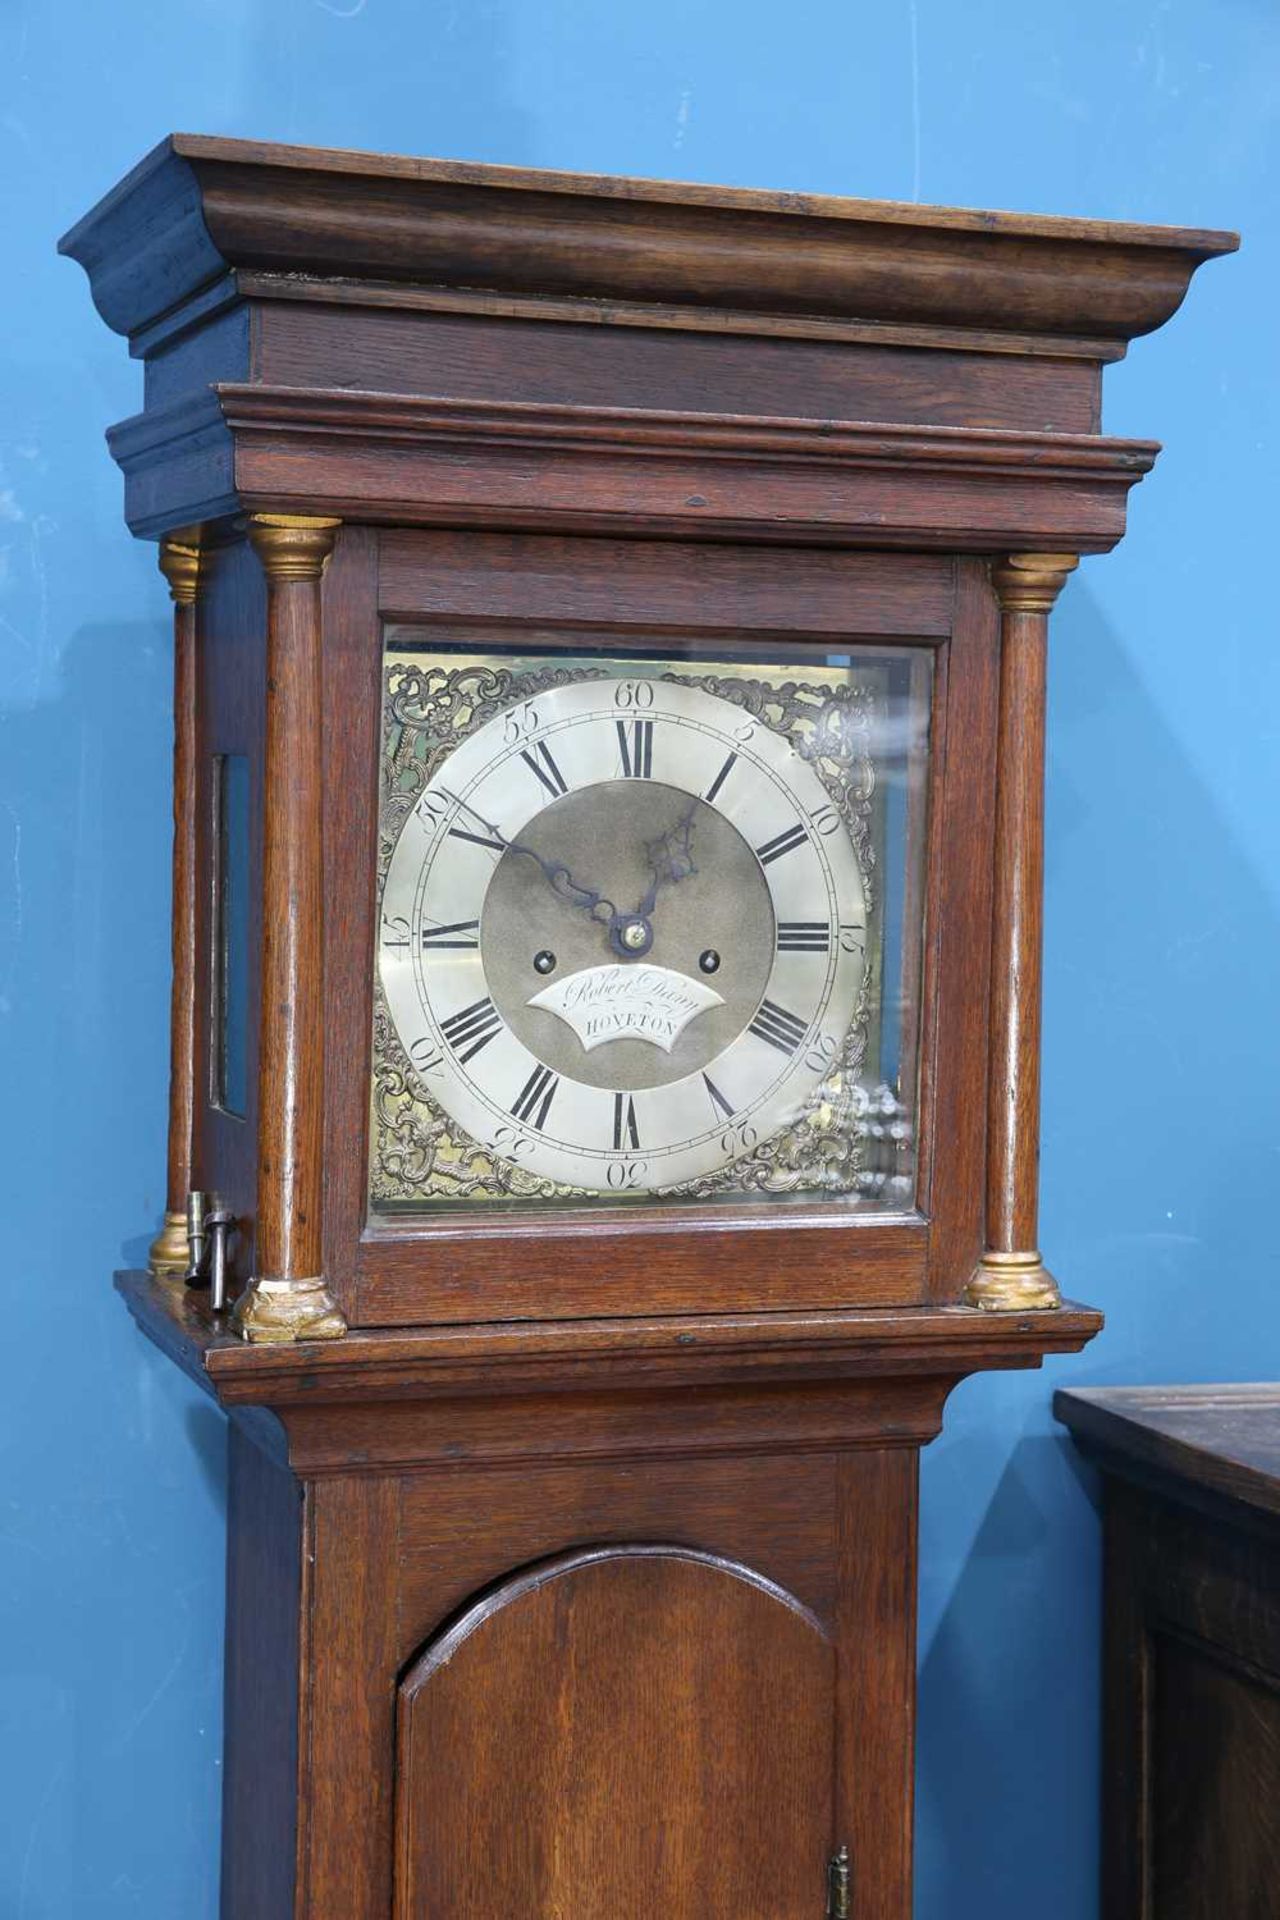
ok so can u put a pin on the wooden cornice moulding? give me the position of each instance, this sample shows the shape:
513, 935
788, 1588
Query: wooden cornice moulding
516, 1395
526, 465
515, 1358
198, 210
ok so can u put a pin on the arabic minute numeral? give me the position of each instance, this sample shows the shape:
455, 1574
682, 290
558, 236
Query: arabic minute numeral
395, 933
740, 1139
511, 1143
625, 1176
431, 807
821, 1055
425, 1054
824, 821
633, 693
519, 723
853, 936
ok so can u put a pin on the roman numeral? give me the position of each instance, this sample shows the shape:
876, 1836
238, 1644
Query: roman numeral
781, 1029
474, 1027
781, 843
433, 938
635, 743
718, 1100
804, 936
720, 778
533, 1102
625, 1131
539, 762
478, 839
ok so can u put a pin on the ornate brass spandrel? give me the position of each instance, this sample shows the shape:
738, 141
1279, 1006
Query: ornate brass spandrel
853, 1140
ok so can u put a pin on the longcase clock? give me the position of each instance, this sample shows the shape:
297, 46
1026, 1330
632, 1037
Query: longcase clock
610, 646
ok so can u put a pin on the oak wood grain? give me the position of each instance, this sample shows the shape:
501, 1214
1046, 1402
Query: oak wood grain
352, 701
420, 460
265, 1625
1017, 936
956, 981
183, 1003
680, 1687
196, 208
231, 678
471, 356
876, 1611
292, 1046
775, 1513
681, 1350
677, 593
350, 1656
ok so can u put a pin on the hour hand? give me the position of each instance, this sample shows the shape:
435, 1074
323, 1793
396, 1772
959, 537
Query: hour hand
557, 874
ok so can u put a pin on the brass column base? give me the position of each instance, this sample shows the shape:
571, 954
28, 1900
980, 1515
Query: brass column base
1012, 1283
274, 1312
169, 1254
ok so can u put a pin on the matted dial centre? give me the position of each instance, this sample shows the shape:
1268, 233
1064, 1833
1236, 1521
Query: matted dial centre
604, 834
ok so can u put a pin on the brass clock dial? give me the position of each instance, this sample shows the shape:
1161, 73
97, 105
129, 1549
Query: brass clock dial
623, 934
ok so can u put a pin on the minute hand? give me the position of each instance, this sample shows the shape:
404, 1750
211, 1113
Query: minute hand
559, 878
670, 859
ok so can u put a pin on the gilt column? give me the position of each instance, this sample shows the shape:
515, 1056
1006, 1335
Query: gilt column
169, 1253
287, 1299
1011, 1276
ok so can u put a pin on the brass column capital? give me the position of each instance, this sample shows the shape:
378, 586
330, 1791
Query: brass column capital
292, 546
179, 562
1031, 582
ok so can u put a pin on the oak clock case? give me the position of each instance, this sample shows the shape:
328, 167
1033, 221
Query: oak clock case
610, 635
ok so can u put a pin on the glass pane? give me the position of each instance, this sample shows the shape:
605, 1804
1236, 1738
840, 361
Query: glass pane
231, 936
650, 926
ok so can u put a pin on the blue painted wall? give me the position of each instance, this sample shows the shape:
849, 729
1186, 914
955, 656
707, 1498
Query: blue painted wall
1163, 857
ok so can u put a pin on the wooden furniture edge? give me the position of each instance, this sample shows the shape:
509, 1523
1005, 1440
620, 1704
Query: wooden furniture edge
1106, 1424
